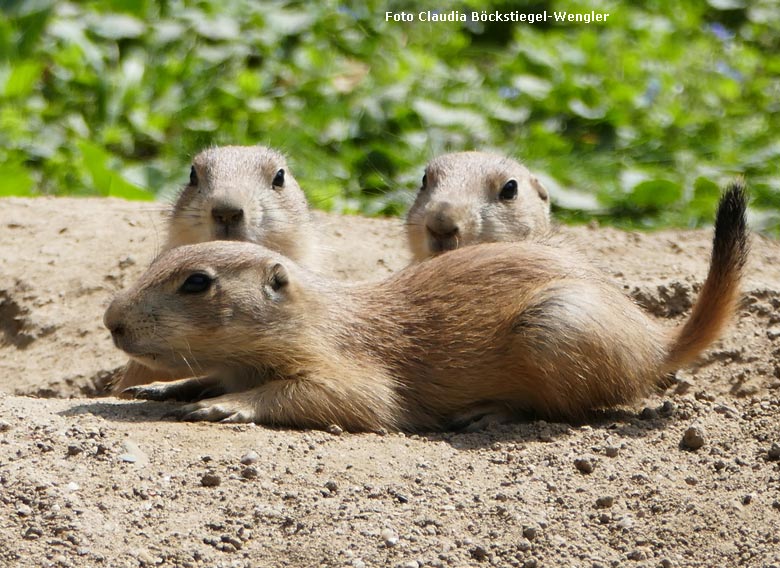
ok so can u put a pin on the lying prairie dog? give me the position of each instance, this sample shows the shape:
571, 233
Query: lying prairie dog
478, 334
238, 193
468, 198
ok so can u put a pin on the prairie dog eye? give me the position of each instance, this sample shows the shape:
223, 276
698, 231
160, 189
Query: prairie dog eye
424, 182
193, 176
509, 191
196, 283
279, 179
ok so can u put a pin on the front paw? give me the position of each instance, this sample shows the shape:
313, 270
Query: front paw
150, 392
221, 409
187, 390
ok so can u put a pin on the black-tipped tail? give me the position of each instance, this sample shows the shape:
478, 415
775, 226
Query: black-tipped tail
719, 294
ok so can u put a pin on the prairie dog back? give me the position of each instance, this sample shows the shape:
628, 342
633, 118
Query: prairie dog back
475, 197
244, 193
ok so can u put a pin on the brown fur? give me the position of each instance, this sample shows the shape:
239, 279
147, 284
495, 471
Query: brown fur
495, 329
461, 203
237, 179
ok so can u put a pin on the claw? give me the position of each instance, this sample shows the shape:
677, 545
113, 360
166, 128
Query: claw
240, 417
146, 393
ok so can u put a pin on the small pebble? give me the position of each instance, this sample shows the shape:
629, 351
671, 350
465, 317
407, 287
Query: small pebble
32, 533
611, 451
747, 499
249, 472
410, 564
250, 458
667, 408
210, 480
605, 502
683, 386
725, 410
389, 537
530, 532
24, 510
703, 395
145, 559
693, 439
479, 553
74, 450
331, 486
648, 413
335, 429
133, 454
584, 465
774, 452
4, 426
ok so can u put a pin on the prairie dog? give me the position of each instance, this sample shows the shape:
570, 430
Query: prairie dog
475, 197
244, 193
479, 333
239, 193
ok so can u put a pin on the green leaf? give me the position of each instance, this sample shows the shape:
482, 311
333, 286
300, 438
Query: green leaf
655, 194
704, 188
105, 181
120, 187
15, 180
22, 79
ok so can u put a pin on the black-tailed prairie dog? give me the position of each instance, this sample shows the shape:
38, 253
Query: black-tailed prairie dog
475, 197
238, 193
487, 331
244, 193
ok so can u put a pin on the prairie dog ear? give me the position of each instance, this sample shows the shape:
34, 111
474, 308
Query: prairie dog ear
540, 189
278, 279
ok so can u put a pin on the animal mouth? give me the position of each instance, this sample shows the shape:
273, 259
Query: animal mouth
438, 244
229, 233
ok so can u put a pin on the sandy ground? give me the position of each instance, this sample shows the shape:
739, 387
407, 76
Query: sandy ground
90, 480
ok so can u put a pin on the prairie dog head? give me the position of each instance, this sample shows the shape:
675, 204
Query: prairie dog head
200, 307
475, 197
240, 193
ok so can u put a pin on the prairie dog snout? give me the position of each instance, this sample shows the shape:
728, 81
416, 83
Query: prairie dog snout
475, 197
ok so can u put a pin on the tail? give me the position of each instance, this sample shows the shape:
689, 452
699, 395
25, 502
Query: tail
720, 293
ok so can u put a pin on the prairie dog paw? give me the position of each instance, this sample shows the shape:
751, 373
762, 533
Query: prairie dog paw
186, 390
220, 409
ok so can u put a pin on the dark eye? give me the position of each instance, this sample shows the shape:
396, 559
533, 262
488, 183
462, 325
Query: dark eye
193, 176
509, 191
425, 182
279, 179
196, 283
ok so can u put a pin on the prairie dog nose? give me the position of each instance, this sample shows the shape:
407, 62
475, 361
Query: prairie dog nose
441, 221
112, 319
227, 216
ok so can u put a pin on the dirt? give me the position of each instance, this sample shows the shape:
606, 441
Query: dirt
688, 477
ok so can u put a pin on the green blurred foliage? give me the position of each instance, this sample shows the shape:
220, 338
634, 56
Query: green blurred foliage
636, 121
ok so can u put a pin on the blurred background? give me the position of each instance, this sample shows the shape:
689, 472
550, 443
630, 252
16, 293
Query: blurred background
635, 122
